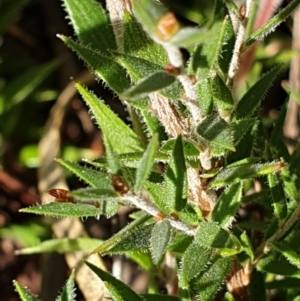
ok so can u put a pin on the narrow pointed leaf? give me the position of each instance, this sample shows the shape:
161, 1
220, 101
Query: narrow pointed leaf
216, 131
189, 36
68, 293
24, 294
161, 235
91, 194
94, 178
112, 157
211, 280
129, 238
227, 205
289, 185
247, 246
273, 23
240, 128
175, 184
121, 136
62, 245
222, 96
277, 266
107, 207
117, 288
152, 83
112, 73
278, 197
253, 97
146, 164
91, 24
205, 96
227, 41
291, 255
194, 260
278, 147
138, 44
211, 235
231, 175
137, 240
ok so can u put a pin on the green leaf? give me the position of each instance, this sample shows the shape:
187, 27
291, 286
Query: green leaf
222, 96
137, 68
227, 205
246, 243
278, 197
227, 37
189, 36
257, 289
92, 194
278, 147
134, 237
112, 157
118, 290
253, 97
211, 235
136, 240
216, 131
148, 13
273, 265
91, 24
240, 129
138, 43
152, 83
270, 26
211, 280
180, 243
205, 96
175, 185
94, 178
189, 148
62, 245
231, 175
113, 74
206, 56
289, 185
121, 136
285, 284
24, 294
161, 236
68, 293
290, 254
194, 260
107, 207
144, 169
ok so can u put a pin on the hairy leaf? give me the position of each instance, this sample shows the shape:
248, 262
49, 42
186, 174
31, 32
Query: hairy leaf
227, 205
231, 175
108, 206
253, 97
91, 24
216, 131
118, 290
194, 260
211, 280
146, 164
23, 292
121, 136
94, 178
161, 235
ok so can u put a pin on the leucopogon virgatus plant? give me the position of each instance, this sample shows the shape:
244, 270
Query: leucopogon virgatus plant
190, 158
